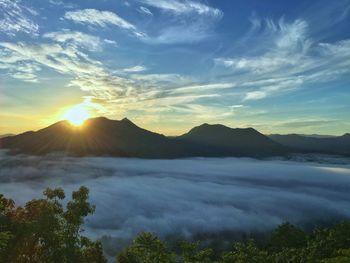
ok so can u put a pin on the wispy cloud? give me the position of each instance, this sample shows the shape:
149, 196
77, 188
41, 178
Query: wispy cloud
94, 17
16, 18
62, 3
18, 67
191, 21
290, 44
137, 68
76, 39
184, 7
287, 59
145, 10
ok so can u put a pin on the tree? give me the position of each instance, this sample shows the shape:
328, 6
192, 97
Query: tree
146, 248
245, 253
191, 253
287, 236
44, 231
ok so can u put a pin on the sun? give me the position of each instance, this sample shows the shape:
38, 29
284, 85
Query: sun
77, 115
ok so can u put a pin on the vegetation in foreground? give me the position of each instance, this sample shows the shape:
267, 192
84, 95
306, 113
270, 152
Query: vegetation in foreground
46, 231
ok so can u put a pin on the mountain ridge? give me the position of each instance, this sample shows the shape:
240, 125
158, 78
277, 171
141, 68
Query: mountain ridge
105, 137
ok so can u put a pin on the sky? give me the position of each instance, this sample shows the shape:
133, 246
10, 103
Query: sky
277, 66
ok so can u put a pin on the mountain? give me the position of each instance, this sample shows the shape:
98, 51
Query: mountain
6, 135
98, 136
328, 145
102, 136
228, 141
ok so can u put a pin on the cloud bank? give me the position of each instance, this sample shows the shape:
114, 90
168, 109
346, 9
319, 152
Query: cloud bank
185, 197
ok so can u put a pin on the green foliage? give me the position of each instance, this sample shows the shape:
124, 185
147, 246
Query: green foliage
245, 253
44, 231
191, 253
286, 244
287, 236
146, 248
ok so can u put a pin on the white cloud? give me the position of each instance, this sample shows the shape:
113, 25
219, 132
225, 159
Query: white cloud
111, 42
145, 10
289, 46
129, 91
137, 68
178, 34
231, 194
76, 38
15, 18
96, 17
61, 3
18, 67
184, 7
190, 22
287, 57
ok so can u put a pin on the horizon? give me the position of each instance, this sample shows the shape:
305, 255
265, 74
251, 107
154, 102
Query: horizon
167, 135
280, 68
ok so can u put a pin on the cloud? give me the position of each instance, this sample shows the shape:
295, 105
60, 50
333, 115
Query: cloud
286, 58
190, 22
137, 68
164, 196
117, 92
15, 18
184, 7
304, 123
94, 17
63, 4
111, 42
145, 10
289, 45
178, 34
17, 66
272, 86
76, 38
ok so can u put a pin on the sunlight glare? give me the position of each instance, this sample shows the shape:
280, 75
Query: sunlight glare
77, 115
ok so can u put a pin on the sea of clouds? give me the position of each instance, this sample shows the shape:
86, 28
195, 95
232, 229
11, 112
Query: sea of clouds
185, 196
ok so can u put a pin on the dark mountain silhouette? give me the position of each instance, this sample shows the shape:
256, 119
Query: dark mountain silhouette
222, 139
6, 135
101, 136
329, 145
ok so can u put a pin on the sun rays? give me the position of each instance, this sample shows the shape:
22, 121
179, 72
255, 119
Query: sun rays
77, 115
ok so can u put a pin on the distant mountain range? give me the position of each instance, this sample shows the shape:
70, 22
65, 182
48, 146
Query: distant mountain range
318, 144
105, 137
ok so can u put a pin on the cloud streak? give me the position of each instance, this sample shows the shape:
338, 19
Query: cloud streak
188, 21
184, 7
99, 18
287, 59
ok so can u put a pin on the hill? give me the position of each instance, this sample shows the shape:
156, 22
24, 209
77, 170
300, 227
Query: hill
328, 145
238, 142
102, 136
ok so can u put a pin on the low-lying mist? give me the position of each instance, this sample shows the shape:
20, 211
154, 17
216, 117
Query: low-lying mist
185, 196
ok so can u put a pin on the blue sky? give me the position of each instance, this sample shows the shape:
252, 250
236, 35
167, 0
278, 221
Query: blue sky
277, 66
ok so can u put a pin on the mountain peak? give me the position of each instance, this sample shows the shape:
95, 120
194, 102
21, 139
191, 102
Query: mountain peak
346, 135
125, 119
218, 127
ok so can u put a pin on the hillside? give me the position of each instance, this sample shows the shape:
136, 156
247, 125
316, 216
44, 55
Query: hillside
329, 145
221, 138
102, 136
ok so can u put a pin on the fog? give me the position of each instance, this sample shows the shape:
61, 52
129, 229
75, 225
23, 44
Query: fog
185, 196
